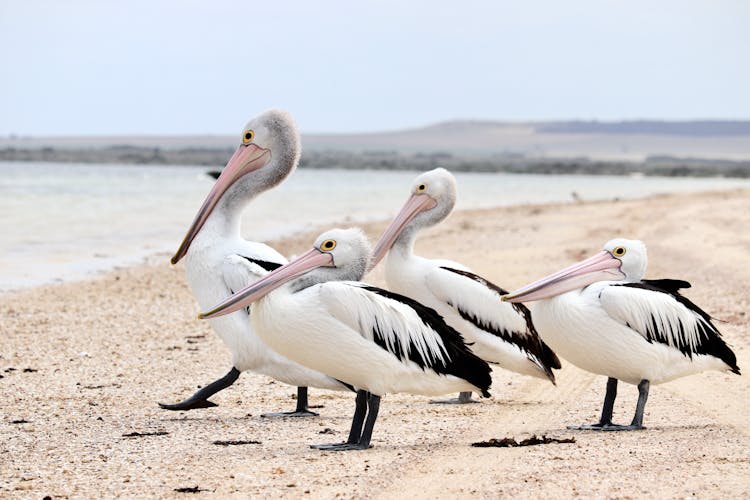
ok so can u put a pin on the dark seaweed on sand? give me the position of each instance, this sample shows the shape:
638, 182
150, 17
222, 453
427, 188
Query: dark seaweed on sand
511, 443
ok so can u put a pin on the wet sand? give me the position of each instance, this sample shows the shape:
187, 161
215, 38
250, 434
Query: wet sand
84, 363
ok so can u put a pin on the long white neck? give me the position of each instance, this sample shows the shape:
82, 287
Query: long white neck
403, 247
225, 220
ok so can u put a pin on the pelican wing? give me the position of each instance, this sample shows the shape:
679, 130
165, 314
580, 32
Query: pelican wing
656, 310
404, 328
477, 301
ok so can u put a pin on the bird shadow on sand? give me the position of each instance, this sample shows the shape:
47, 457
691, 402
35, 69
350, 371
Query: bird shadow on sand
514, 402
208, 418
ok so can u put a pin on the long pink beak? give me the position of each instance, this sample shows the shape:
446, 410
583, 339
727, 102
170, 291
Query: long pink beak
415, 204
246, 159
601, 267
306, 262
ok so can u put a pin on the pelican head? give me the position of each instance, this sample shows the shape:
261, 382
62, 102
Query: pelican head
619, 260
268, 152
337, 254
433, 196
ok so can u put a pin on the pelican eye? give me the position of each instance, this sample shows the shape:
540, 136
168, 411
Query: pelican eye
328, 245
248, 137
619, 251
422, 188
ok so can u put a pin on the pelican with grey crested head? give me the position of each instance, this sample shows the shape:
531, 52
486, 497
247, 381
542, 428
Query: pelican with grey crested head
219, 261
312, 312
499, 333
604, 317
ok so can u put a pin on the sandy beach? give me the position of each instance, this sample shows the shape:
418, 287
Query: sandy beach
82, 364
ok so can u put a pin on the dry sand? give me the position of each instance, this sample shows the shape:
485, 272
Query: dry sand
84, 363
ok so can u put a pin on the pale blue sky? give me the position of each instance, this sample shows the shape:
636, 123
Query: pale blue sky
184, 67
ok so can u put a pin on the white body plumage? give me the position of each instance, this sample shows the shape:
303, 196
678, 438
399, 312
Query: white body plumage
581, 329
304, 325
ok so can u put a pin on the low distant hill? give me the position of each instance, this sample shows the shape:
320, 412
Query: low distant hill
703, 147
627, 140
698, 128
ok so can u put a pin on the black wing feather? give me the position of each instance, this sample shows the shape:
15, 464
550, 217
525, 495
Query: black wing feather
709, 337
265, 264
460, 361
530, 343
668, 285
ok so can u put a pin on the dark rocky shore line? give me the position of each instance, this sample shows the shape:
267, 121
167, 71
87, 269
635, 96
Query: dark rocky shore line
393, 160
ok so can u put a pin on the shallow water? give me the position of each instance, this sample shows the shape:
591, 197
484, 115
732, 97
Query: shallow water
65, 221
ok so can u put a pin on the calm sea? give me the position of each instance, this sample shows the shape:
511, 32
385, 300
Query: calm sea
65, 221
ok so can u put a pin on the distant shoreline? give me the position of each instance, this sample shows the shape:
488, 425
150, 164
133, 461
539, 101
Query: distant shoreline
663, 165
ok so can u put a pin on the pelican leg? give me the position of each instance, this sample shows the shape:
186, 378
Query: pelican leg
463, 398
643, 388
373, 405
200, 398
605, 421
301, 410
358, 440
637, 423
359, 417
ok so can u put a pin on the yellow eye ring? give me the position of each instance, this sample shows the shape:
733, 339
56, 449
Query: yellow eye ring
248, 137
619, 251
421, 188
328, 245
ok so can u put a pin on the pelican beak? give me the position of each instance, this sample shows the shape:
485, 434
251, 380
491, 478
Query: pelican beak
246, 159
306, 262
601, 267
415, 204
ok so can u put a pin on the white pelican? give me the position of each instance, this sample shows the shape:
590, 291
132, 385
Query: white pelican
218, 261
499, 333
372, 339
602, 316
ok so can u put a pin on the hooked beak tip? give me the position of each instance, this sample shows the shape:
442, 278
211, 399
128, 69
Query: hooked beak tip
179, 254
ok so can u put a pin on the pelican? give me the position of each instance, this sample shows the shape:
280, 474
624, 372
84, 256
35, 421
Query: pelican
602, 316
218, 261
499, 333
312, 312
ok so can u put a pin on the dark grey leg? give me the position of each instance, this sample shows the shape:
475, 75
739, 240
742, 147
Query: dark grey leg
301, 399
200, 398
373, 404
605, 423
637, 423
355, 432
643, 388
359, 417
300, 411
609, 402
463, 398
